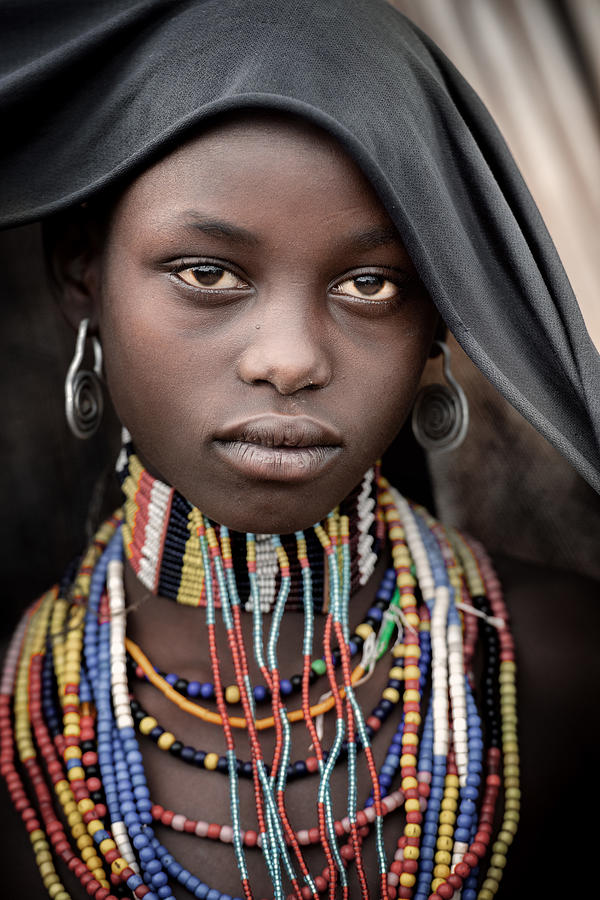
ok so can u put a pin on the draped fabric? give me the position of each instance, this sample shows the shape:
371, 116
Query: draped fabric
92, 93
536, 65
538, 72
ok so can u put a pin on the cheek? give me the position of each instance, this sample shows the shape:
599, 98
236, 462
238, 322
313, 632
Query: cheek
154, 368
391, 406
388, 380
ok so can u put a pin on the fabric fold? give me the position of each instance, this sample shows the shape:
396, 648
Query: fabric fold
90, 94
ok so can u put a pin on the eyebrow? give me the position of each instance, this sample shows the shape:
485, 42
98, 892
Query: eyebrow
217, 228
378, 236
367, 239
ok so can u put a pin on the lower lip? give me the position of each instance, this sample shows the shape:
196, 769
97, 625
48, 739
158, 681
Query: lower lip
290, 464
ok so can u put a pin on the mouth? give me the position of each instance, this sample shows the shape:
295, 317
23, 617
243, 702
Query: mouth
279, 448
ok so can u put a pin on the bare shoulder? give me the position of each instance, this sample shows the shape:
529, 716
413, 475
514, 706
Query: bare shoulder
555, 619
555, 616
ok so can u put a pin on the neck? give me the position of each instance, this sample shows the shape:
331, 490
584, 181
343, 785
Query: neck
174, 635
164, 562
160, 535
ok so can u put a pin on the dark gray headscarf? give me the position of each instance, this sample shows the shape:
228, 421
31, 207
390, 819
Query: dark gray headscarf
92, 92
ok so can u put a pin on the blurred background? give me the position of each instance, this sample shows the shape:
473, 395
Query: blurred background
536, 65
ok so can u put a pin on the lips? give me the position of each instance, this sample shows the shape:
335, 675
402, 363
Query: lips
279, 448
282, 431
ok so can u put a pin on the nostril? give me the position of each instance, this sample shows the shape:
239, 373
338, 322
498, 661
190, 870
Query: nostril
288, 368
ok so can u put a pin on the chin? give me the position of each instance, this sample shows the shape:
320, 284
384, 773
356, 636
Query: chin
269, 509
266, 520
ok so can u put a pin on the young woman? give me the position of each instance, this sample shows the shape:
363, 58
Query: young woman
298, 701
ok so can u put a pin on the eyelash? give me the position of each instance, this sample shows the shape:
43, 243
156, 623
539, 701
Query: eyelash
395, 276
186, 266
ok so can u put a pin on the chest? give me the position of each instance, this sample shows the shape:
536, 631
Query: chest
198, 801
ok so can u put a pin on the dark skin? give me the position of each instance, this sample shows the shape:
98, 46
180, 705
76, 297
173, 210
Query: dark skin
254, 273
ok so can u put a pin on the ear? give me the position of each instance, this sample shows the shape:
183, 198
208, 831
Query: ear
73, 250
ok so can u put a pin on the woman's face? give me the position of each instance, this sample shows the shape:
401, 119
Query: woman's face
263, 327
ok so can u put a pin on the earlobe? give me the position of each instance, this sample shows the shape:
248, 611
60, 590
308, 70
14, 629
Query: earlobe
72, 249
84, 400
440, 416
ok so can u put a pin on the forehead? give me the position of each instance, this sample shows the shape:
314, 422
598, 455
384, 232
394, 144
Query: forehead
251, 128
256, 161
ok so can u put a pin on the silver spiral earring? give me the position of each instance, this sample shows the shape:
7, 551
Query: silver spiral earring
84, 402
440, 415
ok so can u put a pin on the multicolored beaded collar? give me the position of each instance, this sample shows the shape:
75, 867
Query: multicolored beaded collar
160, 538
66, 720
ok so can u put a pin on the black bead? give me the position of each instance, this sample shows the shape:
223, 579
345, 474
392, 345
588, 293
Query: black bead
176, 748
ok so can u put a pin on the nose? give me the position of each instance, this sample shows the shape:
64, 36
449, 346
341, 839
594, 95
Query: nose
287, 348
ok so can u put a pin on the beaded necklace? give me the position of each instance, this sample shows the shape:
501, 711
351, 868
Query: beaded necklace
161, 543
65, 683
195, 690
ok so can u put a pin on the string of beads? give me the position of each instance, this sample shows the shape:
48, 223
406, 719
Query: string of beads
74, 767
161, 545
390, 696
196, 690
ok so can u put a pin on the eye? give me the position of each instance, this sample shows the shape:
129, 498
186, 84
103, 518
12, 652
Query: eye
368, 286
211, 277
